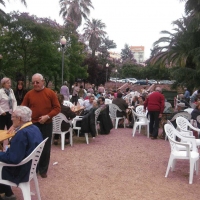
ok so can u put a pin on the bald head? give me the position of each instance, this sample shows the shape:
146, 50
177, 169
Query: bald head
158, 89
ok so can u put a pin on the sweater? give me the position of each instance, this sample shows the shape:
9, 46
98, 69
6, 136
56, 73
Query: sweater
43, 102
155, 102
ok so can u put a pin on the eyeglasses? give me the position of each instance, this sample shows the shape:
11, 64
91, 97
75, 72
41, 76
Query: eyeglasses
35, 82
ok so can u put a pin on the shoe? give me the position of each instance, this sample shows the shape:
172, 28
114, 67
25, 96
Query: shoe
12, 197
120, 126
154, 138
44, 175
55, 142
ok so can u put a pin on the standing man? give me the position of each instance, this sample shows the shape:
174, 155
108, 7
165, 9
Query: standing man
187, 95
155, 104
44, 105
64, 90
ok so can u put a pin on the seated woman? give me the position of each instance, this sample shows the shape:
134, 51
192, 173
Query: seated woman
26, 139
196, 112
69, 115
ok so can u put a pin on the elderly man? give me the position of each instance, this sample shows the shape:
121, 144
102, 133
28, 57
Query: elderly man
26, 139
155, 104
64, 90
45, 105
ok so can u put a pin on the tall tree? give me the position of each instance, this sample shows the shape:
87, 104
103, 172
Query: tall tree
94, 33
127, 54
73, 11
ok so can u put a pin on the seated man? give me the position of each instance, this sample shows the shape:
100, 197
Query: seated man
26, 139
104, 117
88, 104
121, 103
180, 108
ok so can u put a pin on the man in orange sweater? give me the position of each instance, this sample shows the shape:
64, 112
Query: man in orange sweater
44, 105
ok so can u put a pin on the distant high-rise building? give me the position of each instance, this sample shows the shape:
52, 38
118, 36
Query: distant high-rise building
138, 52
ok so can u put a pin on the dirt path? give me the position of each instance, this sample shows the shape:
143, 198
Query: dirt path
115, 167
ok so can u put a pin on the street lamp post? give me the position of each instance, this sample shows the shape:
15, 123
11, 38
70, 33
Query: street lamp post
107, 65
63, 43
1, 57
116, 79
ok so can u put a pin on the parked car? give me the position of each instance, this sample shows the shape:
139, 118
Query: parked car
131, 80
142, 82
122, 80
151, 81
166, 82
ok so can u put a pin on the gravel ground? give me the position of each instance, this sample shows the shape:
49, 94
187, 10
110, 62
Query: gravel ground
115, 167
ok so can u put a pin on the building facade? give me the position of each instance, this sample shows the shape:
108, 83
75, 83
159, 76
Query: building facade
138, 52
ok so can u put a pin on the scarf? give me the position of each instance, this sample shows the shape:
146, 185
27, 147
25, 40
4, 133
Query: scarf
7, 91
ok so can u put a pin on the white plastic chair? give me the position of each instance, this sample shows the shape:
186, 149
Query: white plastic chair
108, 101
189, 154
141, 120
139, 109
25, 186
76, 119
167, 106
185, 126
68, 103
113, 114
184, 114
97, 112
80, 101
57, 121
189, 110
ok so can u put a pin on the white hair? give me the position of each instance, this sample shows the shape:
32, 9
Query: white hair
24, 113
4, 80
39, 75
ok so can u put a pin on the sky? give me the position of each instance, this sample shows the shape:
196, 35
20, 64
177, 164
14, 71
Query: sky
132, 22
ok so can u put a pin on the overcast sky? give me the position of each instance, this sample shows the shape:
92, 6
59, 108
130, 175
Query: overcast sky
135, 22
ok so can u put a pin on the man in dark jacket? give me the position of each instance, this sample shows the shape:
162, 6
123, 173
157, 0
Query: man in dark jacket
155, 104
121, 103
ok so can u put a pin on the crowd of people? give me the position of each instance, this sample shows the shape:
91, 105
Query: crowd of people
30, 113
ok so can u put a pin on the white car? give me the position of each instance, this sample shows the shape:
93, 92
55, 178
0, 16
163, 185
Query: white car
131, 80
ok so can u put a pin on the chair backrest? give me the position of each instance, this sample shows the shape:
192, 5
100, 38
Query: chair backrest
57, 120
189, 110
80, 101
68, 103
34, 156
182, 123
182, 114
167, 106
140, 110
113, 108
142, 117
97, 112
108, 101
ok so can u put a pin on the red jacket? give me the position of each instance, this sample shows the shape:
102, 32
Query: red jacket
155, 102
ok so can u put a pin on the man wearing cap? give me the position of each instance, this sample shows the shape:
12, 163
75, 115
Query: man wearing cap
187, 95
155, 104
180, 108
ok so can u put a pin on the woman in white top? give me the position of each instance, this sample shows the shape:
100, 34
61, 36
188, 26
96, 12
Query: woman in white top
8, 103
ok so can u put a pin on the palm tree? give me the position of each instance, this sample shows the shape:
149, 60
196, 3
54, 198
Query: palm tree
94, 33
2, 2
73, 11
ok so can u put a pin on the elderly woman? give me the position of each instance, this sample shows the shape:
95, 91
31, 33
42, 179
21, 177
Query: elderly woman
8, 103
26, 139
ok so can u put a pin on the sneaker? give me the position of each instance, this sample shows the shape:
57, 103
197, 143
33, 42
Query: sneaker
44, 175
12, 197
55, 142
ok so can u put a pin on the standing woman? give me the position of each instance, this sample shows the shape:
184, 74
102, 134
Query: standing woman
8, 103
20, 92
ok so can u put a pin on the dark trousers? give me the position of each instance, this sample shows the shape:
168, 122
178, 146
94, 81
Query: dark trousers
46, 130
154, 123
5, 120
75, 99
6, 189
